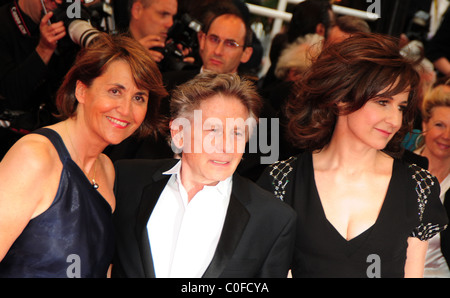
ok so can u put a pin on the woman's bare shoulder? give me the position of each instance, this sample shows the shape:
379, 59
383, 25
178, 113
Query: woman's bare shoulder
32, 152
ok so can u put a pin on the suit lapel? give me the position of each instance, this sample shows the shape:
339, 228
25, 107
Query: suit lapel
235, 222
150, 196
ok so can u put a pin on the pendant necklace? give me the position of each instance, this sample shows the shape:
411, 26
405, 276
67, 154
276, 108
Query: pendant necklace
94, 184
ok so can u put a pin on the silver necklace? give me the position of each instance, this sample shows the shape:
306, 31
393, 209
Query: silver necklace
93, 182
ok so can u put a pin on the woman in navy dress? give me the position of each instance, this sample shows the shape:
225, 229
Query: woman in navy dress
362, 212
56, 186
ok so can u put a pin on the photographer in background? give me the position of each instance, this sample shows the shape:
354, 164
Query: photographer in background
30, 67
150, 21
171, 38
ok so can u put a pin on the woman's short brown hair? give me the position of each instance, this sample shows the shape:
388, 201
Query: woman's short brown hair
92, 61
343, 78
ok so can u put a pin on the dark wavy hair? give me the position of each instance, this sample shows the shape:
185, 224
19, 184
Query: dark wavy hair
343, 78
306, 16
92, 62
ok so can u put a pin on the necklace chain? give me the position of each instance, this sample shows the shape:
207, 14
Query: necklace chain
94, 184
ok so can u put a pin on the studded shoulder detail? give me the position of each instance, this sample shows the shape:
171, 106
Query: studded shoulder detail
424, 182
279, 172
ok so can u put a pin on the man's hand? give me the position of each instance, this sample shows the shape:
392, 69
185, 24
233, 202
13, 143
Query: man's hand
153, 41
186, 52
50, 34
443, 65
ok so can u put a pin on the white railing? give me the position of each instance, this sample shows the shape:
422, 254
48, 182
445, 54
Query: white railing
281, 15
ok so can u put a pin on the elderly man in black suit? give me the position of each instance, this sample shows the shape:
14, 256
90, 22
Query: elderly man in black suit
195, 217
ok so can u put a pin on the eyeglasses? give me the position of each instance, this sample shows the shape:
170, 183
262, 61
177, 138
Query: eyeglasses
228, 43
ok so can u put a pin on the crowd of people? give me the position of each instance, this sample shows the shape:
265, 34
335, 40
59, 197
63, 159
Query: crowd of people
133, 158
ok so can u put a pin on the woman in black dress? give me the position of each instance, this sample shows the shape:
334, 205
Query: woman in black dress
56, 186
362, 212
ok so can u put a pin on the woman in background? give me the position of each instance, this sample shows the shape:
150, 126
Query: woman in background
436, 148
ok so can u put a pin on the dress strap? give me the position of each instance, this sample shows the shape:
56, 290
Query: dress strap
56, 140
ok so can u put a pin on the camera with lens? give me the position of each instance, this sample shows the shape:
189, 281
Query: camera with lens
183, 33
85, 22
418, 27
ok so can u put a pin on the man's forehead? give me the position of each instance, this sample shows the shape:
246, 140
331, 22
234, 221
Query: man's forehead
217, 27
171, 5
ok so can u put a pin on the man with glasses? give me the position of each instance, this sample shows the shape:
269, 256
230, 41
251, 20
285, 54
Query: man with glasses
224, 43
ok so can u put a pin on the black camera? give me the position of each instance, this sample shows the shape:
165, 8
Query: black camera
183, 32
85, 24
418, 27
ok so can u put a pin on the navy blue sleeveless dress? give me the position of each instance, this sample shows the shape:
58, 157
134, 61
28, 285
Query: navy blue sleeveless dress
74, 237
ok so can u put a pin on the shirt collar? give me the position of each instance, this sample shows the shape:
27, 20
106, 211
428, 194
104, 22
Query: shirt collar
174, 170
223, 187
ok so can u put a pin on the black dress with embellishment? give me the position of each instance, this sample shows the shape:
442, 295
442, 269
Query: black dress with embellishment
411, 208
74, 237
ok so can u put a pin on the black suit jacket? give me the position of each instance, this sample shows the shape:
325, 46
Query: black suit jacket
172, 79
257, 237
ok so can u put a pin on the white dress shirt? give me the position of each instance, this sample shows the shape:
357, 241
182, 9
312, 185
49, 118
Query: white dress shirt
183, 236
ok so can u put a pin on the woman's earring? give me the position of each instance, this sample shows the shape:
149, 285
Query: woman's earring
419, 141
